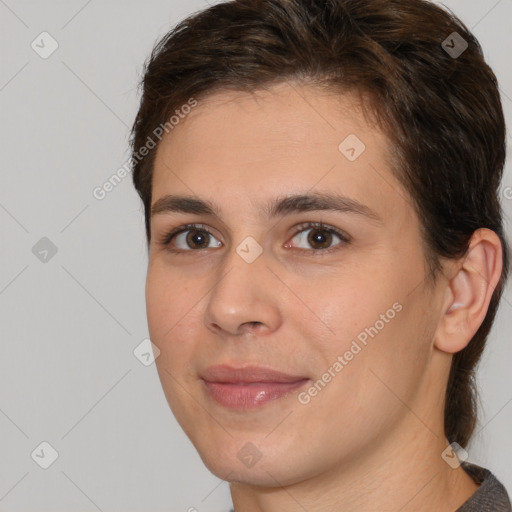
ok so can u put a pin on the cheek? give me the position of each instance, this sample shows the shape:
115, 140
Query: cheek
380, 330
389, 369
351, 303
372, 382
164, 328
175, 313
169, 302
157, 306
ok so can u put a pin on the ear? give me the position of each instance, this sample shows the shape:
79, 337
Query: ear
469, 291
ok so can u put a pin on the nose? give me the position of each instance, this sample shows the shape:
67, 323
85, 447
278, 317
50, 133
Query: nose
244, 299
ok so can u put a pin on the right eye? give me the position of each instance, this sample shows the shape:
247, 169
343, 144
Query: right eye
188, 238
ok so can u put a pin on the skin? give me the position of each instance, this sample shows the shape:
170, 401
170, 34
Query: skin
372, 438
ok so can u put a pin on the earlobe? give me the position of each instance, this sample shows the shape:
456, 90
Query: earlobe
469, 292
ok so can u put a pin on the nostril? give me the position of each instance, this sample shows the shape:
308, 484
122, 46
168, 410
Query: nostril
250, 326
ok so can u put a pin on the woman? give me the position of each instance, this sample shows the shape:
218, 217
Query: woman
326, 248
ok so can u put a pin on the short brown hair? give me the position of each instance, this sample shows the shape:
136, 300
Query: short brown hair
441, 112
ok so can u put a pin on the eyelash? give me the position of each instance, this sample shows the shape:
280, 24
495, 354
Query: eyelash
167, 238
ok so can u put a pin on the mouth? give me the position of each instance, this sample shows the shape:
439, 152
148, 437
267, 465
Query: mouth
248, 387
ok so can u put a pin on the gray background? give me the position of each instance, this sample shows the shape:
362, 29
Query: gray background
69, 325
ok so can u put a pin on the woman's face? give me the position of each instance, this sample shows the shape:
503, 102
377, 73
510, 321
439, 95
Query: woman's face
343, 310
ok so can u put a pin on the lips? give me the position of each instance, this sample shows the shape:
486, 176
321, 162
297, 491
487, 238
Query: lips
248, 387
248, 374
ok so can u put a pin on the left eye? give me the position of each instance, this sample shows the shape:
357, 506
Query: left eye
318, 236
193, 237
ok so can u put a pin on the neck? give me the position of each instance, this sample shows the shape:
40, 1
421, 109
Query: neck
405, 472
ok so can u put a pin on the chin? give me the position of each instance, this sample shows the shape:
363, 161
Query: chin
240, 466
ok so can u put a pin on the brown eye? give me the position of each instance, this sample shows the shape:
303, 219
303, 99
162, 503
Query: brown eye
189, 238
318, 238
197, 239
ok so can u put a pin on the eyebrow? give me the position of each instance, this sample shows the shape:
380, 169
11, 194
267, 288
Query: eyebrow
277, 207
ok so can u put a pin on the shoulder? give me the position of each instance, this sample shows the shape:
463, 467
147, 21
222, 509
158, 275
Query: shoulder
491, 496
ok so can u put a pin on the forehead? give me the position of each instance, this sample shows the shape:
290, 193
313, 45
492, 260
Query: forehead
287, 138
282, 117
